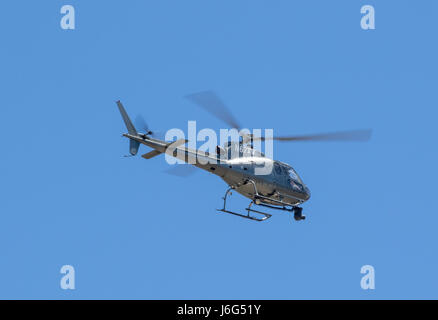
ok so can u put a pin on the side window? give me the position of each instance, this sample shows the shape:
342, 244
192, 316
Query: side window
277, 169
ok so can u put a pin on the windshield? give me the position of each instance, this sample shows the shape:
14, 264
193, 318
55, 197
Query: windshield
294, 175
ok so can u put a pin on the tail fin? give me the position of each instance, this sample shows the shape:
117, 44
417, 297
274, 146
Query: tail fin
128, 123
133, 145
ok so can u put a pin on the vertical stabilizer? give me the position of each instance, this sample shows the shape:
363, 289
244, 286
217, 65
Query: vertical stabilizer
133, 145
128, 123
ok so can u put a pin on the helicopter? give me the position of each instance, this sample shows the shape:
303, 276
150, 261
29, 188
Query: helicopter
238, 163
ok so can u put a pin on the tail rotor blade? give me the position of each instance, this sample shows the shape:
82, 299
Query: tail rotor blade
141, 124
144, 128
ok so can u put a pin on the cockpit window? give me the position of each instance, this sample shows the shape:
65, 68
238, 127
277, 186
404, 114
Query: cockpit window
286, 171
294, 175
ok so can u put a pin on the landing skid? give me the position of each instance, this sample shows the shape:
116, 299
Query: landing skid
262, 216
248, 216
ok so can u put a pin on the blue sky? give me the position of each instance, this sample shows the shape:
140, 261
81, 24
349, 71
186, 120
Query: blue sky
68, 196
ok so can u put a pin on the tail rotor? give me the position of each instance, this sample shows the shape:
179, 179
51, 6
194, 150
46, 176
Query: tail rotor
142, 133
145, 130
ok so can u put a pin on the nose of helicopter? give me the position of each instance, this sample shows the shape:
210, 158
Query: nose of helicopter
307, 192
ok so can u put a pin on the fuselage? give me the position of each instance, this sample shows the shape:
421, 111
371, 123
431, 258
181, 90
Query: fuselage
272, 179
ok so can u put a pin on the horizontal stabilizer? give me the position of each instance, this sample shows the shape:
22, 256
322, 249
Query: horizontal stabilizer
151, 154
171, 146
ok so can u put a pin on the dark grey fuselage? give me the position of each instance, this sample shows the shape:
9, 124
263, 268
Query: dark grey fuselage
277, 181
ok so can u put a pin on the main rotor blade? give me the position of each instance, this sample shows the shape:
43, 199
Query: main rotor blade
181, 170
354, 135
209, 101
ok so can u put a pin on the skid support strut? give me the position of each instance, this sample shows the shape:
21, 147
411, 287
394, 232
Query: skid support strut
263, 215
